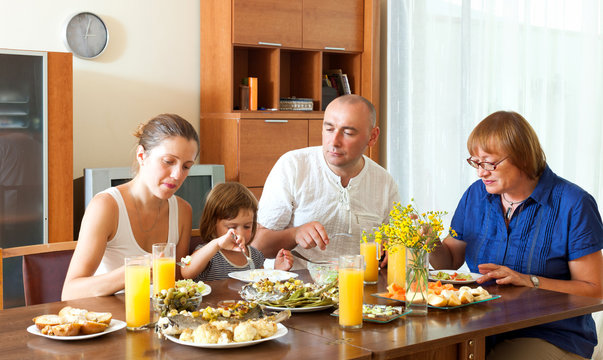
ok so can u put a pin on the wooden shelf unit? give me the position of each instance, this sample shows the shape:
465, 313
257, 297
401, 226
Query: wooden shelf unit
288, 46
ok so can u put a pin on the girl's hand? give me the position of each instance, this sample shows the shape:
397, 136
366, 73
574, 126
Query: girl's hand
283, 260
228, 241
503, 275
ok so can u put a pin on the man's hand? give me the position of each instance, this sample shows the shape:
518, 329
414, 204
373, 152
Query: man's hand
311, 235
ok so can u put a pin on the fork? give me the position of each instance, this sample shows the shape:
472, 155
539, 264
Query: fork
249, 259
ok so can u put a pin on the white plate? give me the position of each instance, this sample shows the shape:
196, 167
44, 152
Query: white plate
474, 277
113, 326
280, 331
301, 309
259, 274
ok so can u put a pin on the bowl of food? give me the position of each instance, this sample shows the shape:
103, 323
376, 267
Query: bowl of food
325, 272
186, 295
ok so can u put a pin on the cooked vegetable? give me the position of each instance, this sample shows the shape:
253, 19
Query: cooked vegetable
290, 293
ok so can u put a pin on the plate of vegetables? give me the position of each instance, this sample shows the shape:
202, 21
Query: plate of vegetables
453, 276
292, 294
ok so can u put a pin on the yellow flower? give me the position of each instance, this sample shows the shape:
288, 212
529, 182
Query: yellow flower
408, 227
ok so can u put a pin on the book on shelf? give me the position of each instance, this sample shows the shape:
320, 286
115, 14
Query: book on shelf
339, 81
253, 93
346, 84
326, 81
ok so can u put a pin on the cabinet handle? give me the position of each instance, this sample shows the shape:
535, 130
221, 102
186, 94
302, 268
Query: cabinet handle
334, 48
276, 121
269, 43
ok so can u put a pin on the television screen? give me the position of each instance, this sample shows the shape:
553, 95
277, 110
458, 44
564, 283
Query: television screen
200, 179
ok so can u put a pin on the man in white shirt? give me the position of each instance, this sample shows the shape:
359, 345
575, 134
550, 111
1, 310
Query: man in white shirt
319, 199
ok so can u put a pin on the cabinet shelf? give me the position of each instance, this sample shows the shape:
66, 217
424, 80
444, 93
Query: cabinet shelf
308, 37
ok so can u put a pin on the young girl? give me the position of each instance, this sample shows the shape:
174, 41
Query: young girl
227, 226
128, 219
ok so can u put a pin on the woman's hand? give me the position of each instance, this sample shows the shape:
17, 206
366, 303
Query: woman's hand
283, 260
503, 275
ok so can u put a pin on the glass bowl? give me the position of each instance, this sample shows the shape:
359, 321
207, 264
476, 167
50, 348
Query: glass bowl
163, 305
323, 274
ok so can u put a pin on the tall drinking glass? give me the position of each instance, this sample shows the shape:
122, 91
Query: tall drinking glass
369, 250
164, 267
138, 294
351, 276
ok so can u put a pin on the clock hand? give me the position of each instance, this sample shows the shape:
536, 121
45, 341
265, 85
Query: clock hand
87, 28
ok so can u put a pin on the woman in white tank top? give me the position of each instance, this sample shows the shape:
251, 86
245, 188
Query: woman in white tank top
128, 219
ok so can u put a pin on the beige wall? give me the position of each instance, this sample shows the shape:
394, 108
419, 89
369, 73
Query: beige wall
151, 66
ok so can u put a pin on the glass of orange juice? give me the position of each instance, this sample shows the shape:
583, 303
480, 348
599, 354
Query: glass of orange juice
351, 276
164, 266
138, 294
370, 251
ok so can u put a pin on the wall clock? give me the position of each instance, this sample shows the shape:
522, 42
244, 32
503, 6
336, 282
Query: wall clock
86, 35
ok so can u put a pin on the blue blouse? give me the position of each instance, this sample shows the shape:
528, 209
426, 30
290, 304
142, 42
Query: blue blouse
558, 223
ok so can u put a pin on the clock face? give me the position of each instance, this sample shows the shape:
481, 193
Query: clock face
86, 35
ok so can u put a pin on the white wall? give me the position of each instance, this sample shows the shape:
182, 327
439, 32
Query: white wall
150, 66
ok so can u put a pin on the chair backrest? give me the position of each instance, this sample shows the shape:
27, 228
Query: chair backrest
44, 270
195, 240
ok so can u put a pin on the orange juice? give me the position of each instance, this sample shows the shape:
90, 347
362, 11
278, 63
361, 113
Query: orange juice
396, 266
350, 297
369, 251
164, 274
138, 283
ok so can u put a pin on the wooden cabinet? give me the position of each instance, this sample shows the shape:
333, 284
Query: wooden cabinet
268, 22
233, 46
335, 25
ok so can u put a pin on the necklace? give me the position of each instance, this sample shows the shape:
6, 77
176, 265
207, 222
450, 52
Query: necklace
138, 214
511, 203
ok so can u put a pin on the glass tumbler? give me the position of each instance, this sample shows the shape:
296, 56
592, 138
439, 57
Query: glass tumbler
351, 290
164, 267
138, 294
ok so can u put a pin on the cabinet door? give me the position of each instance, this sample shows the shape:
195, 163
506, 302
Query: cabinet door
314, 132
268, 21
262, 142
336, 24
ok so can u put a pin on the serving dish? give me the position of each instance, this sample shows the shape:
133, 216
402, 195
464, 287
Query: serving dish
381, 319
113, 326
474, 277
299, 309
280, 331
494, 297
259, 274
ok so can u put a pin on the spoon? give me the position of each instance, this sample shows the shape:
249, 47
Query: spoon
298, 255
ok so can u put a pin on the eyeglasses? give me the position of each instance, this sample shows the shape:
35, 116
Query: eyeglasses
488, 166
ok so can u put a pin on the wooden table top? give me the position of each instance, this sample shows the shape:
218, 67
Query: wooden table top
311, 335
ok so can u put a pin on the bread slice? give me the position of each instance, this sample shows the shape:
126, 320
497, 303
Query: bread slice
46, 320
62, 330
92, 327
454, 300
101, 317
436, 300
466, 297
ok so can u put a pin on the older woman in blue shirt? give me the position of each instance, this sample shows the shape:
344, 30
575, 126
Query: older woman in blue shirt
523, 225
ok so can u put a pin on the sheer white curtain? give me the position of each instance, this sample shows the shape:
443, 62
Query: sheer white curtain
453, 62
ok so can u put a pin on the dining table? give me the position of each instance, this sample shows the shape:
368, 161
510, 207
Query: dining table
458, 333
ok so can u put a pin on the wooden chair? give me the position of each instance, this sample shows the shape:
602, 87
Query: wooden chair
195, 240
44, 270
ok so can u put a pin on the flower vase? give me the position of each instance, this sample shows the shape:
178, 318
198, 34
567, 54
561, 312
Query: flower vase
417, 275
396, 265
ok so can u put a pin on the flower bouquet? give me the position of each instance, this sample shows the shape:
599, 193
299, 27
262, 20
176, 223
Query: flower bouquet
419, 233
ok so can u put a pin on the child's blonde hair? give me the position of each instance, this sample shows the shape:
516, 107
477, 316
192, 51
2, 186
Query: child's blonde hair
225, 201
